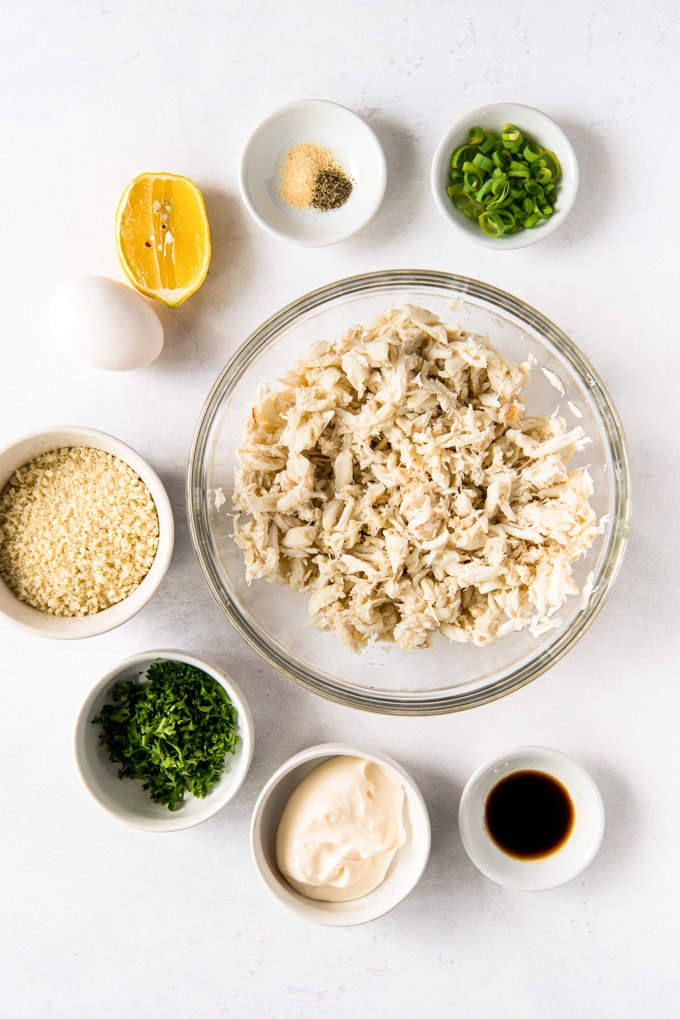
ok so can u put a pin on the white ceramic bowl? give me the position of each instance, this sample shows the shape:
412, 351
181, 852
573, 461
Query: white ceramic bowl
42, 624
549, 871
354, 147
406, 867
125, 799
539, 128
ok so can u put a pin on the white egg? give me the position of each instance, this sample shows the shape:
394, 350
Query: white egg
105, 324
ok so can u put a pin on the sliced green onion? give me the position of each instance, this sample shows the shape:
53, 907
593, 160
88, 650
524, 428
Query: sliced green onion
502, 158
511, 134
461, 199
460, 156
506, 182
483, 162
552, 163
488, 144
532, 152
491, 224
507, 218
517, 169
484, 193
493, 192
472, 181
511, 138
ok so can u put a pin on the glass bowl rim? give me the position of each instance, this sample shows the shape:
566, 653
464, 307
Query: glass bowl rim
433, 703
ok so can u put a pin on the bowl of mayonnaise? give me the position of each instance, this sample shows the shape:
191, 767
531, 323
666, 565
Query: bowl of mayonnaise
340, 835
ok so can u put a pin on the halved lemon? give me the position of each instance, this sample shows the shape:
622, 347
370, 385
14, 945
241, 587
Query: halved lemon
163, 237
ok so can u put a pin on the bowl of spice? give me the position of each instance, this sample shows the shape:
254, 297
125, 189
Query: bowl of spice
313, 173
86, 532
505, 176
164, 740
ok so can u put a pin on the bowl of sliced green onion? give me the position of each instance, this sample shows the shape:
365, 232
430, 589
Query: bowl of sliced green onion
505, 175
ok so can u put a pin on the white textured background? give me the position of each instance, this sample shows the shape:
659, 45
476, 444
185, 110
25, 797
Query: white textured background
100, 921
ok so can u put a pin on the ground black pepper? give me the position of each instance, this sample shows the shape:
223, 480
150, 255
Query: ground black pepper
332, 189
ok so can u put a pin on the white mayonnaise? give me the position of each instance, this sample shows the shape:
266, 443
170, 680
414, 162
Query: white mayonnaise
340, 829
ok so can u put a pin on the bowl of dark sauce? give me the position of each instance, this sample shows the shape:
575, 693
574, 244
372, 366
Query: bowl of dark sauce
531, 819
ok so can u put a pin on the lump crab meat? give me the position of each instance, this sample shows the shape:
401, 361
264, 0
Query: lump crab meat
394, 476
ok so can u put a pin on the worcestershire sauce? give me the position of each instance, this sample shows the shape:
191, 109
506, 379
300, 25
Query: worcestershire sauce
529, 815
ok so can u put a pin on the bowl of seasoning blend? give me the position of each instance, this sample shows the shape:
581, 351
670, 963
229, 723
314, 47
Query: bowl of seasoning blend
531, 819
313, 173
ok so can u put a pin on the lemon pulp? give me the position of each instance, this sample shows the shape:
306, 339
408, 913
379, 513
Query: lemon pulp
163, 236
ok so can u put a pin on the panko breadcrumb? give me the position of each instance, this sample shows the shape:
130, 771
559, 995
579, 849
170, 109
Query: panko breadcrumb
78, 531
395, 476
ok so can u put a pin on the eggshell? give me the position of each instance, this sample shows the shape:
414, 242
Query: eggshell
105, 324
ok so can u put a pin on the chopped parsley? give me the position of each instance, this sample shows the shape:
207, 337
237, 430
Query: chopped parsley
173, 731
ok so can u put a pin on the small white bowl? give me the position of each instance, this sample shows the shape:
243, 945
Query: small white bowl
533, 124
550, 871
42, 624
125, 799
406, 867
354, 147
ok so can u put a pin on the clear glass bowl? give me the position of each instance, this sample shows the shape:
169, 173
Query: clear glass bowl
274, 621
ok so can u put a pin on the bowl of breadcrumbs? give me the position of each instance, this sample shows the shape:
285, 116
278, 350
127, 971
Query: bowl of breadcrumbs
86, 532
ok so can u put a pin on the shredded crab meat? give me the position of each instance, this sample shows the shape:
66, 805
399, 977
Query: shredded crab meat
394, 476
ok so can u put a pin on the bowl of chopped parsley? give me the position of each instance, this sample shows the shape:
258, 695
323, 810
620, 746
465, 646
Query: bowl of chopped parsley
505, 175
164, 741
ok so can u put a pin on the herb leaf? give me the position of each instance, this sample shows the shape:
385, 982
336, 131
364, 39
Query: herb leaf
172, 731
